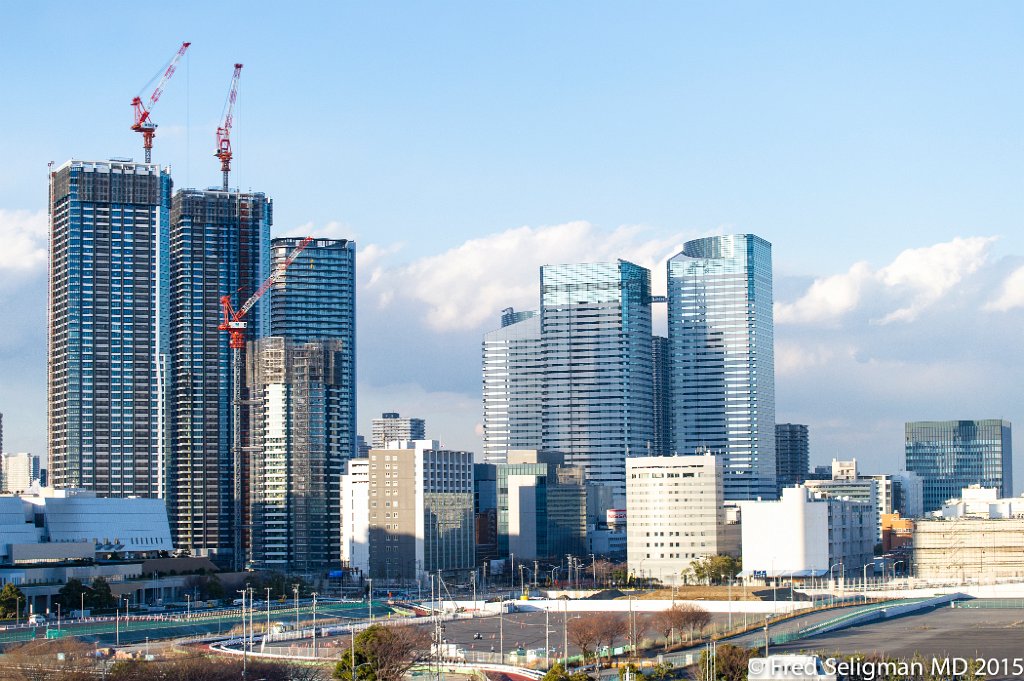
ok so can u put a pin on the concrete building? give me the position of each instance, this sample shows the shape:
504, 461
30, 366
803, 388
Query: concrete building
220, 244
804, 535
19, 471
720, 331
299, 425
421, 511
108, 327
355, 516
908, 494
792, 454
951, 455
391, 427
577, 379
676, 514
315, 300
969, 548
846, 483
897, 533
542, 506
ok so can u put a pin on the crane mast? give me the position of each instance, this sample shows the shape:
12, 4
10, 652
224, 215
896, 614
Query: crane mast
224, 131
234, 324
142, 111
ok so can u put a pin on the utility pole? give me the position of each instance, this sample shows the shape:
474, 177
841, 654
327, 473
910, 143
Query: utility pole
547, 634
295, 588
565, 636
501, 630
314, 625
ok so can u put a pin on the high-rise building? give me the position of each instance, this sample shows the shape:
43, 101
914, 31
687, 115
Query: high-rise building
578, 378
391, 427
18, 471
720, 334
220, 245
108, 340
676, 515
315, 300
542, 506
298, 421
662, 386
951, 455
513, 387
421, 511
792, 454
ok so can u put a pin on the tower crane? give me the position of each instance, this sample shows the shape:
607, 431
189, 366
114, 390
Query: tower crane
142, 122
234, 323
224, 131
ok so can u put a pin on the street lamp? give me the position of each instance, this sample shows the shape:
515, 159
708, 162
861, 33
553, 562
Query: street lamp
295, 588
188, 607
314, 625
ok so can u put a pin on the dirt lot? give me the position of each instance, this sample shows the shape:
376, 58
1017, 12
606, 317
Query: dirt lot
705, 593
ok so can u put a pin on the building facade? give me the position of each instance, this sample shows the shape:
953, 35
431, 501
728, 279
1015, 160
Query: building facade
676, 514
804, 535
108, 343
577, 379
355, 516
662, 387
951, 455
391, 427
220, 245
315, 300
18, 472
299, 413
421, 511
721, 331
542, 506
792, 454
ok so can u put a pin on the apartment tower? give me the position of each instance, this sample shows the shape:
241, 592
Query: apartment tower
108, 327
220, 245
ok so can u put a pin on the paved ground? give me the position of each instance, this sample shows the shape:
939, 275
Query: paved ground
997, 635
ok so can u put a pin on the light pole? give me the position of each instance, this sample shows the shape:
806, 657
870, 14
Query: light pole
314, 625
295, 589
188, 607
17, 611
245, 639
58, 617
81, 607
832, 594
268, 615
865, 580
369, 600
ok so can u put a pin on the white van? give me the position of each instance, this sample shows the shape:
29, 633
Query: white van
36, 620
788, 668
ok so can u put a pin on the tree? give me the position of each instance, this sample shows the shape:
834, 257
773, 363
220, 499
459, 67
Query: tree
556, 673
70, 595
383, 653
100, 596
635, 634
11, 600
730, 662
693, 617
662, 671
583, 634
715, 569
611, 626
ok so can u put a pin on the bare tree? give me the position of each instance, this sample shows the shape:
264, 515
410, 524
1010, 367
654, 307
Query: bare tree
584, 634
636, 633
610, 627
694, 617
390, 651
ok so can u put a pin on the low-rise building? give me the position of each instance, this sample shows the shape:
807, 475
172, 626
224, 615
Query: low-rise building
355, 518
676, 514
897, 533
421, 511
804, 535
978, 536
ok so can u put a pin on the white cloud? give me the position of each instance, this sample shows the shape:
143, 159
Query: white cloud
23, 240
914, 281
468, 284
1012, 294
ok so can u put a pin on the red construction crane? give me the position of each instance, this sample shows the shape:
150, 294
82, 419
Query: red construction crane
142, 111
235, 325
224, 131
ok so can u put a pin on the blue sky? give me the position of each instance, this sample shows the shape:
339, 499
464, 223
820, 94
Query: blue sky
461, 144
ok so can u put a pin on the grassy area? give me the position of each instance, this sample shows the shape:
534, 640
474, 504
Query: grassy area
704, 593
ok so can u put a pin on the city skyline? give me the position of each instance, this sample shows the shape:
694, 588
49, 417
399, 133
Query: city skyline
869, 269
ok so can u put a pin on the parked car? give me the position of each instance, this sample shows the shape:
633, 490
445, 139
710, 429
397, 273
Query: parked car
36, 620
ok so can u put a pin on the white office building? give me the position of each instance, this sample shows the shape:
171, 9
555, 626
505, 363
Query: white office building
19, 471
355, 519
805, 535
675, 506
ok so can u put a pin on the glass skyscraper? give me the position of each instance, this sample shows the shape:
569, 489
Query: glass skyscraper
220, 244
108, 339
951, 455
720, 332
581, 370
792, 454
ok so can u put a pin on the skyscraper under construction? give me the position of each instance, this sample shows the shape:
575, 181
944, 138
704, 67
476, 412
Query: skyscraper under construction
219, 245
